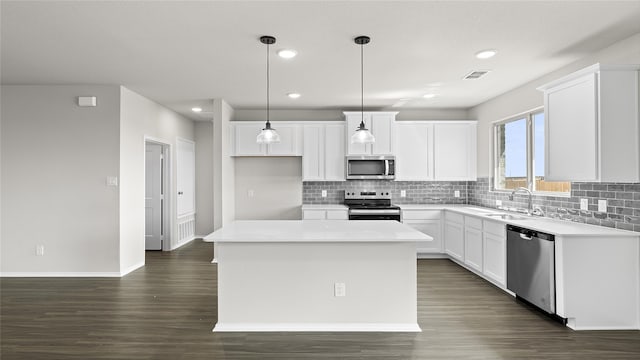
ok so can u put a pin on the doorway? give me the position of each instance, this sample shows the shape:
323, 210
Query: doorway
156, 234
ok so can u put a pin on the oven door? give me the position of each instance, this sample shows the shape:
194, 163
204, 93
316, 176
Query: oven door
374, 214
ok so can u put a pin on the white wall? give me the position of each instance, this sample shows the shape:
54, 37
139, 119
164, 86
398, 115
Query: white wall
223, 165
140, 118
526, 97
56, 157
277, 188
204, 178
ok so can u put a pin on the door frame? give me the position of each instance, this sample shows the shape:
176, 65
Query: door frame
167, 225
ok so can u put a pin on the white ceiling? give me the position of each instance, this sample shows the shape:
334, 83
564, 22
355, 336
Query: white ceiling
184, 53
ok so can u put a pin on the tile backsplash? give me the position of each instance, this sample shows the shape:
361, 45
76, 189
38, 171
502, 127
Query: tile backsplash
418, 192
623, 200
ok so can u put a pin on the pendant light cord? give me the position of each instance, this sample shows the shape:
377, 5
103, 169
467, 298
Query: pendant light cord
361, 86
268, 85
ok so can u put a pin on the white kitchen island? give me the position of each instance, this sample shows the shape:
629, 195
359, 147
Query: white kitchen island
311, 275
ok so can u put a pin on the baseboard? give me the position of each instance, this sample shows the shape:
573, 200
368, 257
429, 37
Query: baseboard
60, 274
313, 327
132, 268
432, 256
183, 243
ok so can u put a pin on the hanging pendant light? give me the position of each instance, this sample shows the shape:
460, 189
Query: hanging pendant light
268, 135
362, 134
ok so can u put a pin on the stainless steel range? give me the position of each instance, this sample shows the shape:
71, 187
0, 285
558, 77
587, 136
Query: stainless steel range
371, 205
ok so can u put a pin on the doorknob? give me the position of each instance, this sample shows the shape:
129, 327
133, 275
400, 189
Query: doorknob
179, 192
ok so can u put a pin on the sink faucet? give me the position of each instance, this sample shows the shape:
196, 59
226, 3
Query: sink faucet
530, 207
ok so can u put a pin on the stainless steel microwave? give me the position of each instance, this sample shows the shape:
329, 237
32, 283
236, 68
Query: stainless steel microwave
365, 167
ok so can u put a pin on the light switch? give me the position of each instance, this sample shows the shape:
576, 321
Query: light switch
403, 193
250, 193
324, 193
498, 202
584, 204
112, 181
602, 205
87, 101
456, 193
339, 289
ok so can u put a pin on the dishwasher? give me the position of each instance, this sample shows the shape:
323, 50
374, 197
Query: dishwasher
531, 267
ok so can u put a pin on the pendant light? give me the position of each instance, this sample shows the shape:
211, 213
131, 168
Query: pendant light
268, 135
362, 134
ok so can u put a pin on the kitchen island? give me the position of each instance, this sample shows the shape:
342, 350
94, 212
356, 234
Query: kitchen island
310, 275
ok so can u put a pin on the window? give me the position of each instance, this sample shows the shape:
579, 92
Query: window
519, 155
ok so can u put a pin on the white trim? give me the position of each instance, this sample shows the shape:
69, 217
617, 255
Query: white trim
183, 243
60, 274
132, 268
517, 116
304, 327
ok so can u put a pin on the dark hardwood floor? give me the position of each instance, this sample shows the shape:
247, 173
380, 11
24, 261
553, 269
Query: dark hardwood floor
167, 309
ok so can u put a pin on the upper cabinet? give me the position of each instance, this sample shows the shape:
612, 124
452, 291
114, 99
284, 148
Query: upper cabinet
243, 135
435, 150
381, 125
323, 154
593, 129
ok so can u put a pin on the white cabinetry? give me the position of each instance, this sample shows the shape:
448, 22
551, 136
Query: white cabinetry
428, 222
473, 243
435, 150
323, 152
495, 252
325, 212
243, 135
592, 129
454, 235
381, 125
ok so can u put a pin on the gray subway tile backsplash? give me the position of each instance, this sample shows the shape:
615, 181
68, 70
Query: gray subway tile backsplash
623, 200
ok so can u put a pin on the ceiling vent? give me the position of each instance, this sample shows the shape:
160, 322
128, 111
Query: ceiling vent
476, 74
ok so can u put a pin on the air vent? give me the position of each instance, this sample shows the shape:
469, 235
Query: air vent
476, 74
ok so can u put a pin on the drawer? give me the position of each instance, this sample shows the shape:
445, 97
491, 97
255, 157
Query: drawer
313, 215
473, 222
421, 214
337, 215
495, 227
453, 217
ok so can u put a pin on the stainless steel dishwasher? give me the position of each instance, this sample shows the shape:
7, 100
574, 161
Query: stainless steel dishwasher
531, 267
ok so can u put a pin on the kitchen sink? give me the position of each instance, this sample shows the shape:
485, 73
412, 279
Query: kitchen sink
507, 217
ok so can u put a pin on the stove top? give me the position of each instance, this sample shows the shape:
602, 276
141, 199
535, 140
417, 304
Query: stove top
368, 199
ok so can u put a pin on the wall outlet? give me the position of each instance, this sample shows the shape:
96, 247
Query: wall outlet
112, 181
339, 289
403, 193
498, 202
250, 193
324, 193
584, 204
40, 250
602, 205
456, 193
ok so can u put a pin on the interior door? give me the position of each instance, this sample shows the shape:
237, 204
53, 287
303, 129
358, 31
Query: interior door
153, 197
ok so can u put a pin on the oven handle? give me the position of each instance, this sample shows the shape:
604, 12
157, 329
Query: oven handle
374, 211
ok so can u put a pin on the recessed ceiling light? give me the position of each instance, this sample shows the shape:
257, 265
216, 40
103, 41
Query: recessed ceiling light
196, 109
485, 54
429, 96
287, 53
293, 95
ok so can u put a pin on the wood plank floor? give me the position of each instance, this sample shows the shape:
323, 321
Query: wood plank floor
167, 310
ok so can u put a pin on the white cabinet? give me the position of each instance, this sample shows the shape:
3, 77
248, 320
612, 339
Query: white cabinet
592, 129
323, 152
454, 151
381, 125
454, 235
329, 213
435, 150
428, 222
473, 243
495, 251
243, 135
414, 151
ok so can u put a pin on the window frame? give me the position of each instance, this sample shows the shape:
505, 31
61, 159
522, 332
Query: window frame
530, 151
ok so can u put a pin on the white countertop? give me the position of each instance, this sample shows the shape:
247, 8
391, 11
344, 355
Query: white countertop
553, 226
324, 207
316, 230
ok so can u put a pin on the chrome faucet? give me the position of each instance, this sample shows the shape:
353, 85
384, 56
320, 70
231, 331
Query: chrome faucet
530, 207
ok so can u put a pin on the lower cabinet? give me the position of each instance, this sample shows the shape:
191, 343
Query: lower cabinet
454, 235
473, 242
428, 222
495, 252
325, 214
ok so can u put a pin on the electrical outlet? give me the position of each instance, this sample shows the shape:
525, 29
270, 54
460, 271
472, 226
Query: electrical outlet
250, 193
584, 204
498, 202
602, 205
339, 289
456, 193
403, 193
324, 193
40, 250
112, 181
